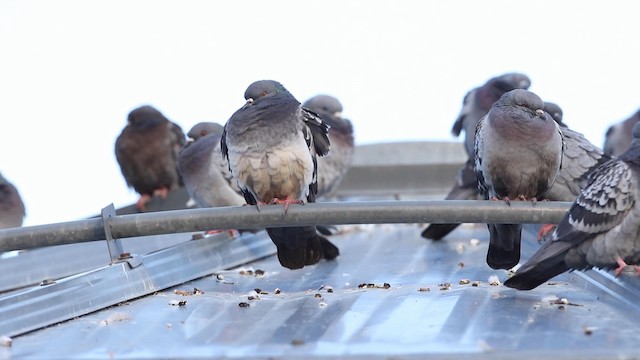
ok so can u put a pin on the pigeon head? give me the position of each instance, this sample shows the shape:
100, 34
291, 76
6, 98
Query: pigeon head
522, 98
264, 89
145, 116
497, 86
555, 111
203, 129
324, 104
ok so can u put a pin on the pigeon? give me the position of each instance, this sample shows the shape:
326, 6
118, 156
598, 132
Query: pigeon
147, 152
478, 101
601, 228
519, 150
618, 137
475, 105
333, 167
204, 171
12, 211
271, 144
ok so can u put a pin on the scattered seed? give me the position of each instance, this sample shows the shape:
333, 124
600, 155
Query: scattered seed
475, 283
461, 264
277, 291
244, 304
424, 289
297, 342
178, 302
445, 286
252, 297
197, 236
322, 304
47, 282
219, 277
561, 307
259, 272
464, 281
329, 289
494, 280
181, 292
588, 330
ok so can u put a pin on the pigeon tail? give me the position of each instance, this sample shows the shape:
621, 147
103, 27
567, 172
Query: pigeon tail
297, 246
527, 279
438, 231
504, 245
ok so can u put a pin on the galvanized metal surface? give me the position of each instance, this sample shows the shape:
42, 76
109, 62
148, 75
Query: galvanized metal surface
324, 311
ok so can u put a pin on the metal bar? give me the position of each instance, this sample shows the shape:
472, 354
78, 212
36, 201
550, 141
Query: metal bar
248, 217
114, 245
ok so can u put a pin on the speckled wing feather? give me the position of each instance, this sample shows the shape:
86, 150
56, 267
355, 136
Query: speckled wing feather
580, 241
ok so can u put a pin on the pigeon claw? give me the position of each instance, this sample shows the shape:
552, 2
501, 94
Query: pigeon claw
286, 202
545, 232
142, 201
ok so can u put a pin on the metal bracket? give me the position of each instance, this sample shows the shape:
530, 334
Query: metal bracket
116, 252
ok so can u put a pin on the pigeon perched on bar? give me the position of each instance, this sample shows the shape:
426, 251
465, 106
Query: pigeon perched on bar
601, 228
618, 136
519, 150
476, 104
204, 171
12, 211
147, 152
271, 144
333, 167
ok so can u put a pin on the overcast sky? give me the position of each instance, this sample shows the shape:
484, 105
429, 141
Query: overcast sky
70, 72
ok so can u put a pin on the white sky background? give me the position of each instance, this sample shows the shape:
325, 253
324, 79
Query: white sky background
70, 72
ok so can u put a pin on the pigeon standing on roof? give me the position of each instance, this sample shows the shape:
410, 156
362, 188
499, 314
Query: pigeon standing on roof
601, 229
147, 152
518, 155
271, 144
618, 136
333, 167
476, 104
12, 210
204, 171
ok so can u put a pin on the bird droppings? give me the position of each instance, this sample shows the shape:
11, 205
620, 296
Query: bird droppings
474, 242
460, 248
115, 317
244, 305
563, 302
178, 302
318, 296
445, 286
322, 304
374, 286
464, 281
460, 264
424, 289
329, 289
588, 330
494, 280
5, 341
475, 283
277, 291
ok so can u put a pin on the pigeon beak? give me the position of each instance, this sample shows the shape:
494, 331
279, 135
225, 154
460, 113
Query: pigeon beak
337, 114
541, 114
249, 101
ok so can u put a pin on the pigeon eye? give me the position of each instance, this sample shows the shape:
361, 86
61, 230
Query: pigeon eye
264, 93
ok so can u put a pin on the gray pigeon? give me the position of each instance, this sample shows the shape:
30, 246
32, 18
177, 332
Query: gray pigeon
618, 137
518, 154
601, 229
475, 105
204, 171
271, 144
147, 152
478, 101
333, 167
12, 210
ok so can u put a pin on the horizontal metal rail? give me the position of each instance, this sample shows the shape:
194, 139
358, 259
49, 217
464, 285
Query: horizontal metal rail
248, 217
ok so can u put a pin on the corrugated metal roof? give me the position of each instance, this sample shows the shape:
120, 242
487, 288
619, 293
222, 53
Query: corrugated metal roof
389, 294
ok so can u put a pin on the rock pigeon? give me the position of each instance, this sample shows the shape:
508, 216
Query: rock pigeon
475, 105
333, 167
147, 152
601, 228
618, 136
271, 144
12, 210
478, 101
204, 171
518, 155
